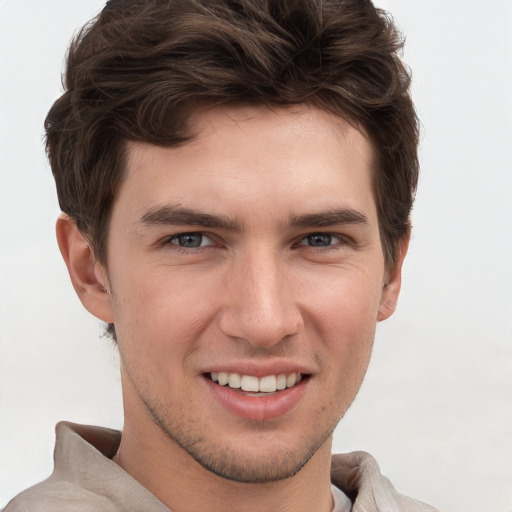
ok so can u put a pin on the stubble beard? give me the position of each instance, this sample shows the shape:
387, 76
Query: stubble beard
226, 462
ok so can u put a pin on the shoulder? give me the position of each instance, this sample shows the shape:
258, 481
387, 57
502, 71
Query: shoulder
85, 479
359, 476
59, 496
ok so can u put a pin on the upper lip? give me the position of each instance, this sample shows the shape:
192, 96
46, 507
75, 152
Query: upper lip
259, 369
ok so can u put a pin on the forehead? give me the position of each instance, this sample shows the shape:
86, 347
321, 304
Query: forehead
293, 159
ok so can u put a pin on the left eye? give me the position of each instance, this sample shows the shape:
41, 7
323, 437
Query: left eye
191, 240
319, 240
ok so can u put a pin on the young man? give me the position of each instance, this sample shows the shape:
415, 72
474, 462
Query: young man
236, 179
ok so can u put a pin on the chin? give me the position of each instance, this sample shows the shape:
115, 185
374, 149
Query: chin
257, 461
255, 469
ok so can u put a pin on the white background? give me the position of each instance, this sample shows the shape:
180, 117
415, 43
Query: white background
436, 408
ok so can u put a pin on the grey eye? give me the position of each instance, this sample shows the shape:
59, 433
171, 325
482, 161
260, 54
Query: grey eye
189, 240
318, 240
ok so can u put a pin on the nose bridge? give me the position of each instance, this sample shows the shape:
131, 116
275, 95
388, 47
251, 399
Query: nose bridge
260, 308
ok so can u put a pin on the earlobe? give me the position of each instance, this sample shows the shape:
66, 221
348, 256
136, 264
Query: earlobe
393, 283
88, 277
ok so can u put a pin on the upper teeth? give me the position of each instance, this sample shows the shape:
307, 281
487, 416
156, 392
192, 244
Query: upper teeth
267, 384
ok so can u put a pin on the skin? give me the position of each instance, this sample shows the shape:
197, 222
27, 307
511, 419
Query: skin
281, 282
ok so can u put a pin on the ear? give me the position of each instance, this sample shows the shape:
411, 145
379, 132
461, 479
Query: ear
393, 282
89, 277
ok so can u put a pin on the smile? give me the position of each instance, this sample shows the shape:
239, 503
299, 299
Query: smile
257, 398
252, 384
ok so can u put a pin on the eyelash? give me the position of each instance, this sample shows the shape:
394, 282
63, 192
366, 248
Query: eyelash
182, 248
339, 240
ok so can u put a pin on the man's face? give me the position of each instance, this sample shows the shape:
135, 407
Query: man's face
251, 254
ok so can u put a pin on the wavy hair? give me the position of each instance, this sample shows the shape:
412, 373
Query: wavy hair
137, 70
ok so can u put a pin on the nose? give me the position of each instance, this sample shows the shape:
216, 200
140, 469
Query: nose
260, 306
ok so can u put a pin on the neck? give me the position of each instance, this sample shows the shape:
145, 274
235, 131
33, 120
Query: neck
183, 485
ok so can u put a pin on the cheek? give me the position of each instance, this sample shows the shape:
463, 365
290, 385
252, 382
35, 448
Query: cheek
160, 315
343, 316
344, 299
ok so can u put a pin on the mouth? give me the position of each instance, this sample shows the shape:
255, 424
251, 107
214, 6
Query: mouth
258, 398
257, 386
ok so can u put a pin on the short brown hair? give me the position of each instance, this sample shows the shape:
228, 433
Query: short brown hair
137, 70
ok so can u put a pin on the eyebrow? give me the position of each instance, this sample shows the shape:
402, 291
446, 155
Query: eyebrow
329, 218
178, 216
169, 215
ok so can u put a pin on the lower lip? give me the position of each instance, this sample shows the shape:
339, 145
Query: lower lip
258, 408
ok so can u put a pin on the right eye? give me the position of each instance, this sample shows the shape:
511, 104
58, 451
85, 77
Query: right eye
190, 240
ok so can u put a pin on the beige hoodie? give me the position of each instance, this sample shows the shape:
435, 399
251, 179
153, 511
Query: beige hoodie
85, 479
